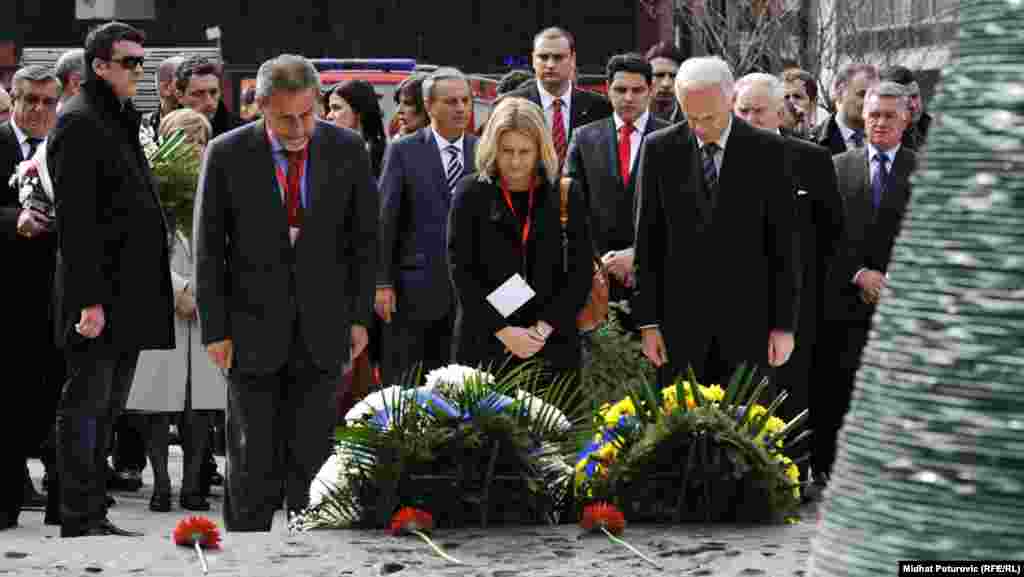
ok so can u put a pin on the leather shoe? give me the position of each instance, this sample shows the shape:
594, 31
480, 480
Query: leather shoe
194, 503
160, 502
101, 529
128, 480
8, 522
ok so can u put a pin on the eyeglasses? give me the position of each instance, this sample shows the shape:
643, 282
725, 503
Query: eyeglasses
130, 62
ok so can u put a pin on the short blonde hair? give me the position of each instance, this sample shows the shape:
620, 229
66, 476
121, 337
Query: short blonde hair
523, 116
196, 126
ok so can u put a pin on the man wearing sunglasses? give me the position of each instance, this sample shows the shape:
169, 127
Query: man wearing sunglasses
113, 287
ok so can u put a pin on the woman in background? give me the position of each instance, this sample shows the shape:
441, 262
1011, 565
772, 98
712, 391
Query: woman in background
182, 382
353, 104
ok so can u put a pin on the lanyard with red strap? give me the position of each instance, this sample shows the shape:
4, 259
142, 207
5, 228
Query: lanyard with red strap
282, 177
529, 215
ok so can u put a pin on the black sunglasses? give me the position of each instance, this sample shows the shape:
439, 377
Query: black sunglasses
130, 62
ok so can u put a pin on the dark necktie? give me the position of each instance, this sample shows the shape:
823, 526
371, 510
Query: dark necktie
625, 148
294, 191
33, 144
454, 168
858, 138
558, 130
710, 171
880, 180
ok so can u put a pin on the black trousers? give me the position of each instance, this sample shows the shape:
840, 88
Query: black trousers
716, 359
99, 380
837, 358
280, 429
32, 390
405, 342
129, 450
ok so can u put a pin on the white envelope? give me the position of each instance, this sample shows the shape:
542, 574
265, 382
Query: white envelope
511, 295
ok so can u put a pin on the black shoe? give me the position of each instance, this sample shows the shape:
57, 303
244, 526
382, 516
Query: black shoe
110, 501
101, 529
128, 480
46, 481
216, 479
49, 519
194, 503
160, 502
8, 521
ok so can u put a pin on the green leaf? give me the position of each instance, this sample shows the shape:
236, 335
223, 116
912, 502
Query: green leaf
698, 397
739, 377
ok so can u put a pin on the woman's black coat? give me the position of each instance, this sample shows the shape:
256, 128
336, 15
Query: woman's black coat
484, 251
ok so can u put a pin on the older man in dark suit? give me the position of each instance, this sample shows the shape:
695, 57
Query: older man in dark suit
414, 292
285, 260
603, 159
875, 184
565, 107
844, 130
760, 100
30, 252
717, 276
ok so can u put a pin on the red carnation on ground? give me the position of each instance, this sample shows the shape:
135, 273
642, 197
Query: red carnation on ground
606, 518
413, 521
199, 533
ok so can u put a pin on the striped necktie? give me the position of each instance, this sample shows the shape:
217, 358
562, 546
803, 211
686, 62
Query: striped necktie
454, 168
710, 170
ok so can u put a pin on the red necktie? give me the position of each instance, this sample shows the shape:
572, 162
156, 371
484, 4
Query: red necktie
558, 130
294, 188
625, 146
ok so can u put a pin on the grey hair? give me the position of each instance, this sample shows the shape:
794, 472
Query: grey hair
168, 67
776, 90
889, 89
286, 73
33, 73
71, 62
704, 72
446, 73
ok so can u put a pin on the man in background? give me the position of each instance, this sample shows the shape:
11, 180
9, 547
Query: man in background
665, 59
70, 69
844, 130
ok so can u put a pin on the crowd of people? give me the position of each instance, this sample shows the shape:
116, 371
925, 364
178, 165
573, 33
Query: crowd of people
739, 228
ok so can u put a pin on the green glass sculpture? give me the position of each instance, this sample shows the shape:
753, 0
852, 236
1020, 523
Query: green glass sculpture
930, 462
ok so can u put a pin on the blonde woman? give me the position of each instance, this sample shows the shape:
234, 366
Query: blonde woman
504, 221
180, 382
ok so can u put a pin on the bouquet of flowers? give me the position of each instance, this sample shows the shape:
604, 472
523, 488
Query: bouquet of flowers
31, 179
174, 162
692, 449
447, 446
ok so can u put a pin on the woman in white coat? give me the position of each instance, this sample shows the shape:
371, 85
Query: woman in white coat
181, 382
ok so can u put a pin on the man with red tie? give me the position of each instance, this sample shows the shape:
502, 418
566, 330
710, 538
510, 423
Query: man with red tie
565, 107
602, 158
285, 234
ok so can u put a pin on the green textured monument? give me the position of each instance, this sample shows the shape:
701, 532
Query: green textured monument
930, 463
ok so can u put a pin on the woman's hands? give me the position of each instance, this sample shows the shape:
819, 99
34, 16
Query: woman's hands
525, 342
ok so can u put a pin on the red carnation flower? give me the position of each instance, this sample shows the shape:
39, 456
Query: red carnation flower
606, 515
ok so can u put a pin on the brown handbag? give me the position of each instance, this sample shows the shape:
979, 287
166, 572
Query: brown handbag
595, 312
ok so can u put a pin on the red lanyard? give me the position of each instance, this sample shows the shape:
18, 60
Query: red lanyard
529, 216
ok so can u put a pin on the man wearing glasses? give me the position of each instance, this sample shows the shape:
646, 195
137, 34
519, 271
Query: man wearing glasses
113, 285
28, 249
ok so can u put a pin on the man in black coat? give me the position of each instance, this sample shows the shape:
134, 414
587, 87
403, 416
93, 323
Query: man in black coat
717, 277
844, 130
33, 361
565, 107
113, 277
198, 85
875, 184
760, 100
603, 159
286, 247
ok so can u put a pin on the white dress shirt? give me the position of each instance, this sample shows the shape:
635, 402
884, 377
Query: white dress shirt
547, 101
635, 139
443, 144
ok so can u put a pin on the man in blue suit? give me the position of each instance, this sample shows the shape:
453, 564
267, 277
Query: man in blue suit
414, 294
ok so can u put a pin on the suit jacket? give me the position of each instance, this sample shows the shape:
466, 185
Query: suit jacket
586, 106
827, 134
113, 248
415, 201
484, 239
251, 283
593, 161
731, 273
29, 260
819, 226
868, 235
